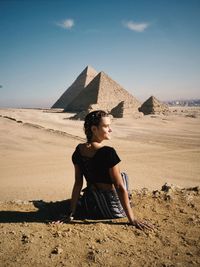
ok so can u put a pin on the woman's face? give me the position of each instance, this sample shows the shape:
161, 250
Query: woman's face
103, 131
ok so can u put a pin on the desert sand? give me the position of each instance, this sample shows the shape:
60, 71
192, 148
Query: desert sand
36, 174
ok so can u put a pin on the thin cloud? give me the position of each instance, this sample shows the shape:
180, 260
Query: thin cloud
66, 24
135, 26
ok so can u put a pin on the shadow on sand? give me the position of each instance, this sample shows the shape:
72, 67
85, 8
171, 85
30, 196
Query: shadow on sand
47, 212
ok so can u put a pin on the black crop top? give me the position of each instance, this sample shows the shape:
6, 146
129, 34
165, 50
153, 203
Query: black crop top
96, 168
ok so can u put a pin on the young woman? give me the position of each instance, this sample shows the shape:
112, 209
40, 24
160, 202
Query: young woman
106, 195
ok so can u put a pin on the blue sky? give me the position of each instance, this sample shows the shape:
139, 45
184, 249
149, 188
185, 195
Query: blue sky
148, 47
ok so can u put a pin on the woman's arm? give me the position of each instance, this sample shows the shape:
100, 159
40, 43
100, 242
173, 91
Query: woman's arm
76, 188
124, 199
75, 196
121, 191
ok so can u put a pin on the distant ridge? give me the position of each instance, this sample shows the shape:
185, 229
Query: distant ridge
102, 92
77, 86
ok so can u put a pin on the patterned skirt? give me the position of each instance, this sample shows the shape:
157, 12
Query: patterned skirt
99, 204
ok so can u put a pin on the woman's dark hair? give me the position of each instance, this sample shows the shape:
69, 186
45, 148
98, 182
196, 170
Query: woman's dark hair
93, 119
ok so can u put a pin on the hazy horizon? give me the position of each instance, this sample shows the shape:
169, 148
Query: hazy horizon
148, 47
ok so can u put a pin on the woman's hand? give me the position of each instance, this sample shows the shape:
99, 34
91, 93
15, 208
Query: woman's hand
142, 225
64, 219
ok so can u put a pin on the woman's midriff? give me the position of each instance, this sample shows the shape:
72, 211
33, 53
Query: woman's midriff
103, 186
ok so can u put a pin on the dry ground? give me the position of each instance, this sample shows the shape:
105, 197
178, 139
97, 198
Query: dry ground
26, 240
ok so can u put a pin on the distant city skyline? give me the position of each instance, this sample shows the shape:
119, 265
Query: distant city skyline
148, 47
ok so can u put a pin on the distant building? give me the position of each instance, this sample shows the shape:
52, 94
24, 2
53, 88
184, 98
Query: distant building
184, 103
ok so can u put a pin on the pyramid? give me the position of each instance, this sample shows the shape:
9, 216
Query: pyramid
153, 106
102, 92
81, 82
124, 109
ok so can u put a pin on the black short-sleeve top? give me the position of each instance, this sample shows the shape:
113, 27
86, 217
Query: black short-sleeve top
96, 169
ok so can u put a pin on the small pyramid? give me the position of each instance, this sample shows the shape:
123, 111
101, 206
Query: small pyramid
153, 106
123, 110
77, 86
103, 92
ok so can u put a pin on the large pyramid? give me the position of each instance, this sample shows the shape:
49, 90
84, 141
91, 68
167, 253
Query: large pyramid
102, 92
153, 106
81, 82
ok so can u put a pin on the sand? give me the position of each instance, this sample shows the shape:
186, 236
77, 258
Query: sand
35, 155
